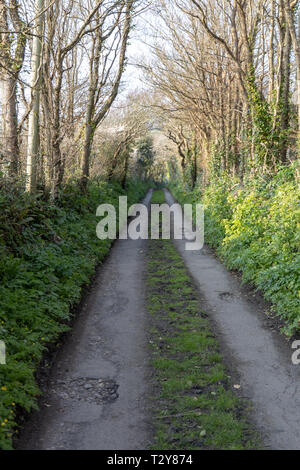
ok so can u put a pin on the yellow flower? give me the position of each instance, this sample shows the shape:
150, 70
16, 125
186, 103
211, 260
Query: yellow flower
3, 389
2, 424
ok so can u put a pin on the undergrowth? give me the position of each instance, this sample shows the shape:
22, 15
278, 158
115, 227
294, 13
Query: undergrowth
255, 228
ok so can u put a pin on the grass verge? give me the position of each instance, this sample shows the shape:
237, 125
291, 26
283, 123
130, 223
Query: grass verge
195, 402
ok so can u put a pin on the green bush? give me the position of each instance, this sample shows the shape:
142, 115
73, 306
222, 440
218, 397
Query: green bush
256, 230
47, 254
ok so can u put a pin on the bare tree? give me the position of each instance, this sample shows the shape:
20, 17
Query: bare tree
102, 60
223, 73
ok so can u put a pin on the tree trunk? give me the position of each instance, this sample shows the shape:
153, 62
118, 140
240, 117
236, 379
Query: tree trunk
88, 136
289, 13
271, 52
285, 95
89, 133
195, 168
10, 144
58, 167
34, 117
8, 83
124, 179
114, 162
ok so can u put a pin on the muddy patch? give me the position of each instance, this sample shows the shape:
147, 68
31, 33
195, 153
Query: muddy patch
87, 389
226, 295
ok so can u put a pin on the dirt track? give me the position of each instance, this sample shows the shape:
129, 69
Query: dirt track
96, 397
